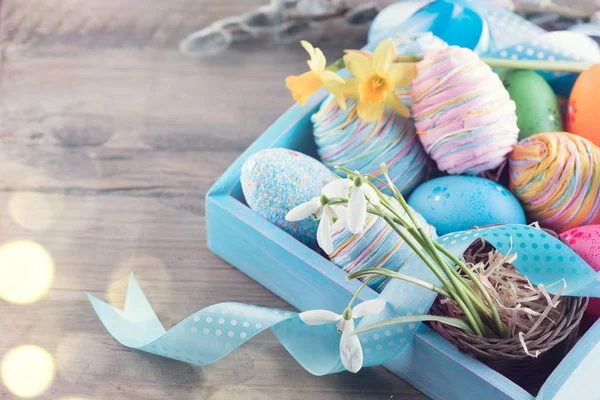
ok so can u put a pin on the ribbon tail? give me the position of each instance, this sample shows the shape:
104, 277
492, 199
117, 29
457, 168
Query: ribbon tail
134, 327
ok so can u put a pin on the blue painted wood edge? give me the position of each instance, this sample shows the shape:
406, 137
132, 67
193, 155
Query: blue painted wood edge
308, 281
435, 362
562, 376
295, 272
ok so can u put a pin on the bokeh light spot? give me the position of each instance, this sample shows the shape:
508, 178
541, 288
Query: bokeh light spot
35, 211
27, 371
26, 272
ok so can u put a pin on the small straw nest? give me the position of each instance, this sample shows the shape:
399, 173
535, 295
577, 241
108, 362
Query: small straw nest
523, 306
543, 327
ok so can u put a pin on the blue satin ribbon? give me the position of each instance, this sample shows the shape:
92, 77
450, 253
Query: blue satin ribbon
213, 332
490, 31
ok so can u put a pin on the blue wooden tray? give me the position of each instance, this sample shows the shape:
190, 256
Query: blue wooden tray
308, 281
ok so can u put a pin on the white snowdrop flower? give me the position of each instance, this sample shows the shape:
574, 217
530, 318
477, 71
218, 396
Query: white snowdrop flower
350, 347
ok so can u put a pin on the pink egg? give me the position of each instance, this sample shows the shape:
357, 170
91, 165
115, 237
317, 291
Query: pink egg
585, 241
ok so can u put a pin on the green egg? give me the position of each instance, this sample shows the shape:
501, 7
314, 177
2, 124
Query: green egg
537, 105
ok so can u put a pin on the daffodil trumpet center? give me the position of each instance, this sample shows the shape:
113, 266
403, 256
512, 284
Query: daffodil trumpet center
375, 88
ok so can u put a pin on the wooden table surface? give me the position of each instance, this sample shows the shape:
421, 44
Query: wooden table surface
110, 139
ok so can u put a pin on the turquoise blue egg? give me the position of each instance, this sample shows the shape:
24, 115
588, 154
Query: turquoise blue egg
456, 203
276, 180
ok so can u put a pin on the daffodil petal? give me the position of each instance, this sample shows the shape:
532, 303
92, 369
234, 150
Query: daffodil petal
372, 195
402, 74
384, 55
350, 349
365, 53
336, 86
324, 233
338, 188
303, 86
358, 64
357, 210
330, 77
304, 210
319, 61
309, 48
396, 104
369, 307
351, 87
369, 112
319, 317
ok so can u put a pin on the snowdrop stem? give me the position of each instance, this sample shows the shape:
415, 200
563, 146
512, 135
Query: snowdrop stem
462, 290
365, 283
456, 322
499, 326
396, 275
454, 289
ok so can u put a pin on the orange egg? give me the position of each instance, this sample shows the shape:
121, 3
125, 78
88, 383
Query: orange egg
583, 117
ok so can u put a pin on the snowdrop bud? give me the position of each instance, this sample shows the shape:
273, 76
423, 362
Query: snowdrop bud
347, 315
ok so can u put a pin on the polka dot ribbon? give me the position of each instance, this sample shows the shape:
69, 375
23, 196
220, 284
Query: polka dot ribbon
493, 32
210, 334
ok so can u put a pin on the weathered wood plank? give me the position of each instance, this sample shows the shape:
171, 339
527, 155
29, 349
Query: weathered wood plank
109, 140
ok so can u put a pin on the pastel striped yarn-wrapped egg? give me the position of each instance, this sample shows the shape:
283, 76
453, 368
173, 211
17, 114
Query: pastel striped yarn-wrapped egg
418, 44
343, 139
463, 114
378, 246
556, 176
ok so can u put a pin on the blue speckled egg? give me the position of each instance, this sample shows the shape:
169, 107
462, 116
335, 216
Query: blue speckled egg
455, 203
276, 180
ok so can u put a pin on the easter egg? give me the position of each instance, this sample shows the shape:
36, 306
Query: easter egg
585, 241
456, 203
582, 113
276, 180
417, 44
377, 246
537, 105
344, 139
463, 115
556, 176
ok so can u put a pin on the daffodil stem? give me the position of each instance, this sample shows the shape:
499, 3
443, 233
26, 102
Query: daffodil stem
539, 65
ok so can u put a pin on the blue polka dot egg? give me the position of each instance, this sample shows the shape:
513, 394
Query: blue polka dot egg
276, 180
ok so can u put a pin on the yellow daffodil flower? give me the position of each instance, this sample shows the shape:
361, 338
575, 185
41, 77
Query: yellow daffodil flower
305, 85
375, 81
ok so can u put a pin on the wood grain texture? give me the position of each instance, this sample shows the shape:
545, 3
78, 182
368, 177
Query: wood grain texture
109, 141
